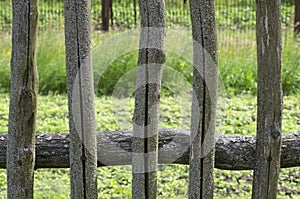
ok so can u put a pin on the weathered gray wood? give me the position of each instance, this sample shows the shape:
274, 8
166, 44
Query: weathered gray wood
269, 99
23, 100
83, 148
205, 80
232, 152
147, 97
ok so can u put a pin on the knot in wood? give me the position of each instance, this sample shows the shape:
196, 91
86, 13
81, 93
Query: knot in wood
83, 158
275, 133
26, 93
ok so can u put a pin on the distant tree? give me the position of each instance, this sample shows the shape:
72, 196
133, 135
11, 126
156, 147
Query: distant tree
107, 13
297, 18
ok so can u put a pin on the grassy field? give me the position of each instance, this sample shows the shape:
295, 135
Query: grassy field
236, 115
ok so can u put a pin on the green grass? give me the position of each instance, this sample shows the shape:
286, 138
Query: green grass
115, 55
5, 52
236, 115
229, 14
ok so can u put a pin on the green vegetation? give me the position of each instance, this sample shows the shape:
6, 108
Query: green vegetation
114, 60
237, 115
237, 61
229, 14
237, 53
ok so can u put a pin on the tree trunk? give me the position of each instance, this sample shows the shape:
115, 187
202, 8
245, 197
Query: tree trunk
115, 147
106, 14
147, 98
83, 146
23, 101
135, 12
111, 13
269, 99
297, 18
205, 80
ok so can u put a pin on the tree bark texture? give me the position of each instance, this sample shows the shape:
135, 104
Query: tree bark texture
147, 98
23, 100
83, 147
205, 80
269, 99
232, 152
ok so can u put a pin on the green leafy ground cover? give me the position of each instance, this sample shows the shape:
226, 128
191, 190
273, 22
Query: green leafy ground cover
236, 115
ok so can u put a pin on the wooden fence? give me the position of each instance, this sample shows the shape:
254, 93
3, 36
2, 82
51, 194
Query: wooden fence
78, 150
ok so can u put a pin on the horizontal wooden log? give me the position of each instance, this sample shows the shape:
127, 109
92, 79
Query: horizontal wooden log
114, 148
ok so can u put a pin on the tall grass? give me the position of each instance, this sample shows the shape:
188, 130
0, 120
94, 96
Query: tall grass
51, 62
238, 63
237, 60
5, 53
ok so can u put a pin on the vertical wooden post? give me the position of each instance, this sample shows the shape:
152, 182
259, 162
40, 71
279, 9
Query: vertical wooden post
23, 100
83, 149
205, 82
269, 100
147, 97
